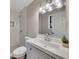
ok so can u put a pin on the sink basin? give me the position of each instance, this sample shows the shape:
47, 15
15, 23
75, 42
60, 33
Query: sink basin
48, 44
51, 40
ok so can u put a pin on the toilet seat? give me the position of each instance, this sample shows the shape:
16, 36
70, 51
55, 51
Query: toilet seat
19, 52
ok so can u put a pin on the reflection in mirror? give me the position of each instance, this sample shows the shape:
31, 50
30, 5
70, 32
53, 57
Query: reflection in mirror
56, 22
53, 22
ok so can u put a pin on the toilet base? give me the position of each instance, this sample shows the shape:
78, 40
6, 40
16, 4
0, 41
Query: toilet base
23, 57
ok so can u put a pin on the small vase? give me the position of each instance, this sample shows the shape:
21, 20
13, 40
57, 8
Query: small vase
66, 45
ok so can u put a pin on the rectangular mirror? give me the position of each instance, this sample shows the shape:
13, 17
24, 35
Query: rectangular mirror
54, 22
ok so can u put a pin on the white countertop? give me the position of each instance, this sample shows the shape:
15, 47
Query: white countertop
61, 51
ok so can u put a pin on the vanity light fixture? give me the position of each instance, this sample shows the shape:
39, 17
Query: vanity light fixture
51, 5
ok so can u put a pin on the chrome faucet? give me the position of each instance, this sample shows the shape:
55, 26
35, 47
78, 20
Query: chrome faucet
47, 37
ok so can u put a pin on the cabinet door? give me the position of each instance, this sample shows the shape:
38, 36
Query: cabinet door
43, 55
31, 52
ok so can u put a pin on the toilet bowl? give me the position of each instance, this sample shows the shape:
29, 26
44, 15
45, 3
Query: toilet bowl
20, 52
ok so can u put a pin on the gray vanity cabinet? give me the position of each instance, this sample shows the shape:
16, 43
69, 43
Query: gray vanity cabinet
34, 53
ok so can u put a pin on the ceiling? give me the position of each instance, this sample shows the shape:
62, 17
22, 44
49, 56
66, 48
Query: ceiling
18, 5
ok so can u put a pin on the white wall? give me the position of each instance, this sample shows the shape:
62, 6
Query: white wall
14, 31
43, 23
23, 25
33, 18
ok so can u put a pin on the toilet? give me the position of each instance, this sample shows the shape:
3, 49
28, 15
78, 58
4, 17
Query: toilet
19, 53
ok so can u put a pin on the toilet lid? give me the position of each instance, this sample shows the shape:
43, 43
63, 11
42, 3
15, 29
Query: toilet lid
19, 51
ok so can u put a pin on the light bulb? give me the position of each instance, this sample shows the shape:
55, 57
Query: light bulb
58, 3
42, 11
47, 6
50, 9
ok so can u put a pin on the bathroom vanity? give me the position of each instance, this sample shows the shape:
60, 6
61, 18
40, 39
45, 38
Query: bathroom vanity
40, 49
35, 53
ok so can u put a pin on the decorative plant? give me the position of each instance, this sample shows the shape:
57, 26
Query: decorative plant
65, 40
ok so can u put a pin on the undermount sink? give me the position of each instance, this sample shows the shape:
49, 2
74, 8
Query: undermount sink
48, 44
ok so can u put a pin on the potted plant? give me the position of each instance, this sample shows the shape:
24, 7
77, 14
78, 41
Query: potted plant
65, 42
